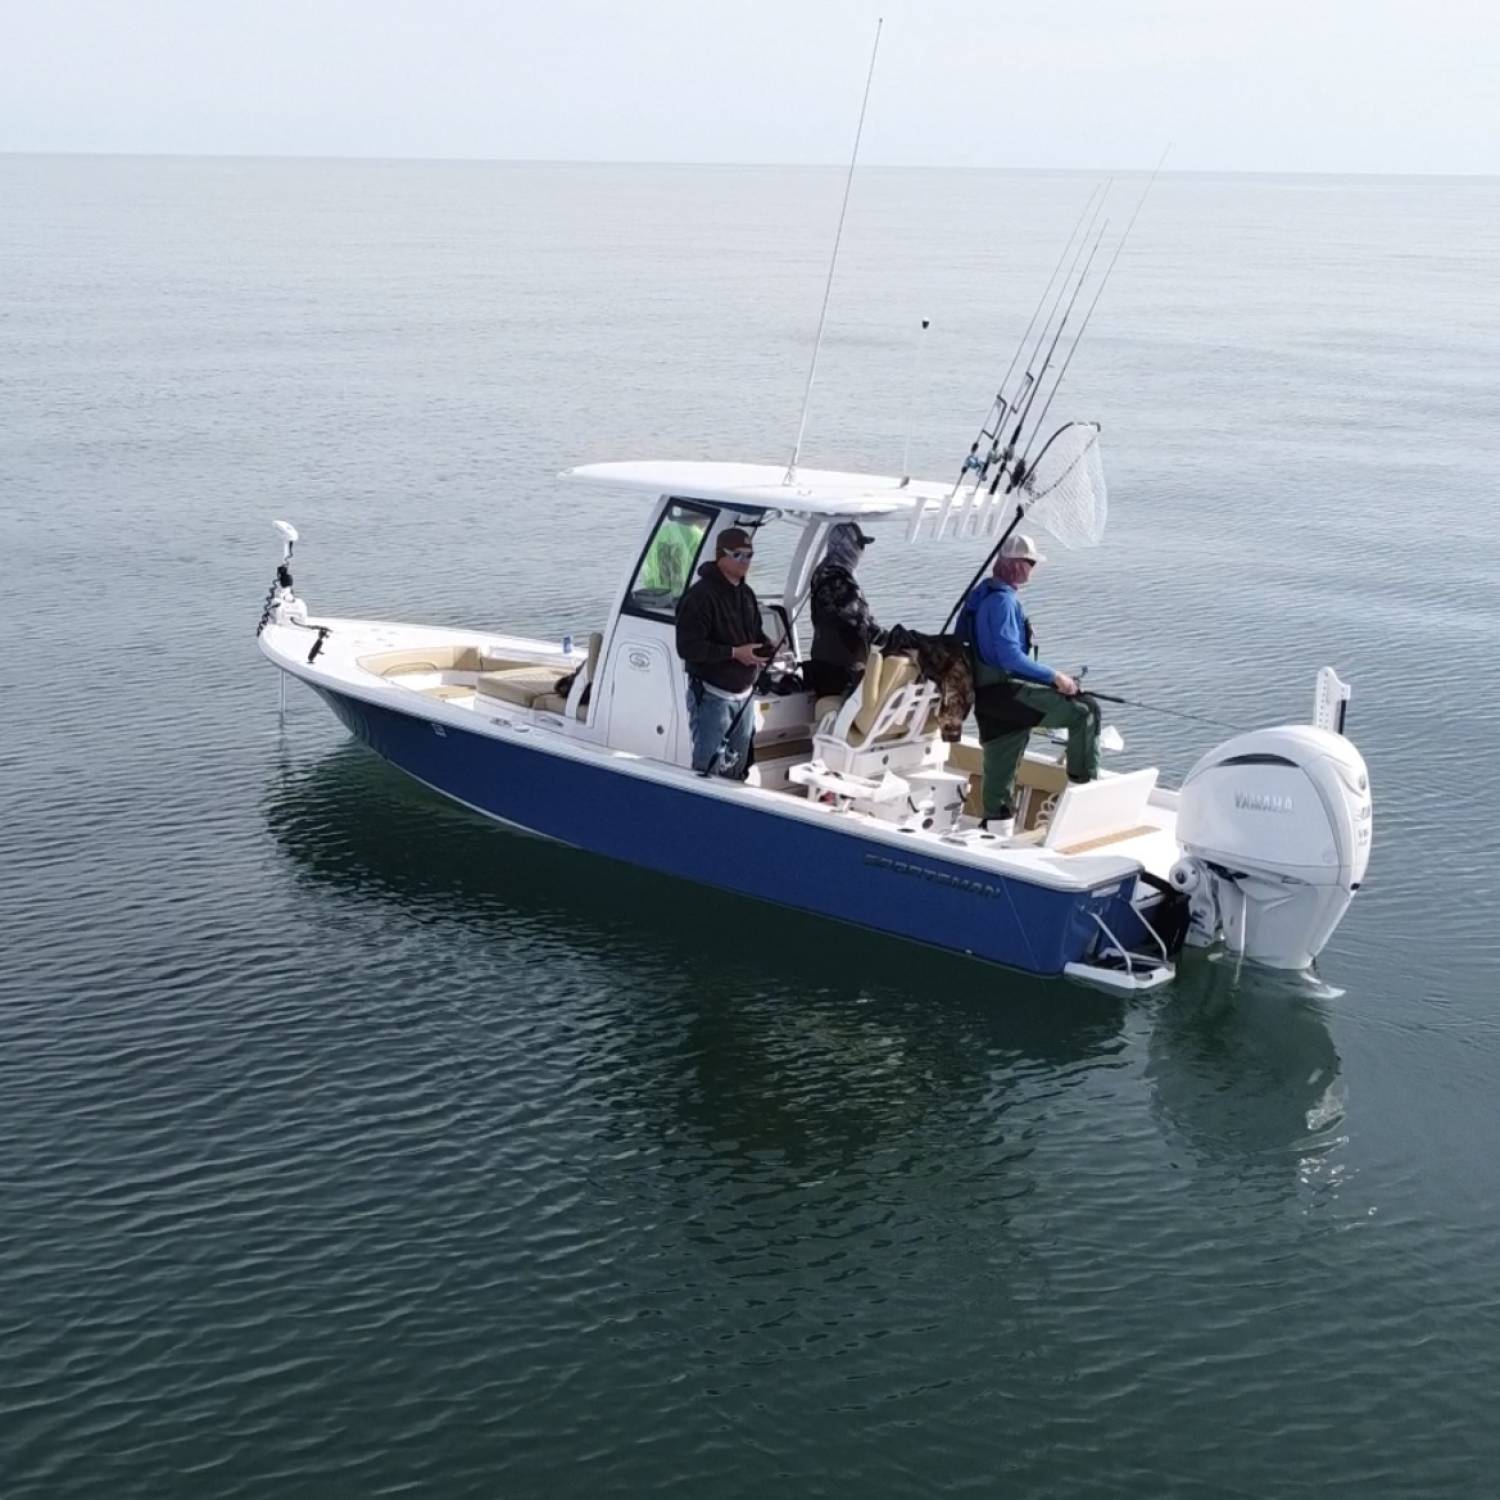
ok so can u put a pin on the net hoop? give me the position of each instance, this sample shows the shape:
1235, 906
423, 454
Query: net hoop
1064, 492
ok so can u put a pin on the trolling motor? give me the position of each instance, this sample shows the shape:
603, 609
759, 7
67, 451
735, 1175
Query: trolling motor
282, 606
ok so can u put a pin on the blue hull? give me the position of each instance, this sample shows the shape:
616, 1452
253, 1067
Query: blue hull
714, 842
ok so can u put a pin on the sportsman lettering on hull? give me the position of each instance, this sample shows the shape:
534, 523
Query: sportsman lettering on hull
938, 877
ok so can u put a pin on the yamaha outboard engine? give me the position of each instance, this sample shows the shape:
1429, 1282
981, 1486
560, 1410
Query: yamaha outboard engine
1275, 829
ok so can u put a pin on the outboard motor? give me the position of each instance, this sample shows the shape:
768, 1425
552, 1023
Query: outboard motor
1275, 828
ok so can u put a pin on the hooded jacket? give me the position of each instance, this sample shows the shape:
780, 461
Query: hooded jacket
714, 617
843, 626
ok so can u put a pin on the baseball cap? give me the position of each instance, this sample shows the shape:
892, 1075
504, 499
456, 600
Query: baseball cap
732, 540
1018, 545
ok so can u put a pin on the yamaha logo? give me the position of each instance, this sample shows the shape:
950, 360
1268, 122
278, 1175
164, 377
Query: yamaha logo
1262, 802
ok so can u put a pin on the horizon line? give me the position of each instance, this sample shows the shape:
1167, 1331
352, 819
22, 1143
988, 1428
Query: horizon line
581, 161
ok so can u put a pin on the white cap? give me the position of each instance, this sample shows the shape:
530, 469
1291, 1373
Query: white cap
1017, 545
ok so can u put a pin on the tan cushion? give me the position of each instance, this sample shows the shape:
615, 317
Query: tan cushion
550, 703
523, 685
966, 758
869, 696
825, 706
897, 672
585, 681
884, 677
784, 750
1044, 777
423, 659
1051, 776
900, 672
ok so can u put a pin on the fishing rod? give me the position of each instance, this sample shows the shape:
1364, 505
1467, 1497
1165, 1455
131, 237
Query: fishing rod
994, 551
789, 617
1156, 708
993, 425
1022, 468
1041, 421
980, 571
781, 641
1018, 473
1030, 381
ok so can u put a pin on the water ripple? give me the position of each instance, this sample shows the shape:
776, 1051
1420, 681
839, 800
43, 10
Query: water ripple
356, 1147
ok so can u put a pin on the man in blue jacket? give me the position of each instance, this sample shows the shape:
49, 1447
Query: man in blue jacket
1013, 692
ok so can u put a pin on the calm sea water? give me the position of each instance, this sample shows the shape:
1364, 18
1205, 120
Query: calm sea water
354, 1147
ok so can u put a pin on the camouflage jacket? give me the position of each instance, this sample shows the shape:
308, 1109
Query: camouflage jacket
843, 626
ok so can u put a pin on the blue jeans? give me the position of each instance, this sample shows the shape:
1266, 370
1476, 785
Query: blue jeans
710, 717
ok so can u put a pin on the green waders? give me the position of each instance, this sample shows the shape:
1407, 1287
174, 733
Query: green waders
1002, 755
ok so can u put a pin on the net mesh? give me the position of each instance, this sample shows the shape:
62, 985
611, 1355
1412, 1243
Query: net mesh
1064, 493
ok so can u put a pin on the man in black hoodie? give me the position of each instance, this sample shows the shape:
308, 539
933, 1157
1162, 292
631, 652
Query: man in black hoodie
722, 643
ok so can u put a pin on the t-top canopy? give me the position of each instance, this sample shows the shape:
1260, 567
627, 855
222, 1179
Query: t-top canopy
812, 492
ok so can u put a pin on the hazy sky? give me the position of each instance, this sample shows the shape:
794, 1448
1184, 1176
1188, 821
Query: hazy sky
1274, 85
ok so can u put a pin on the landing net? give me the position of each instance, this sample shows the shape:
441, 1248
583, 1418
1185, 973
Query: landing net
1064, 493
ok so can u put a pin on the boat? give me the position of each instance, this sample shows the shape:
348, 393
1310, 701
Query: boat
863, 809
856, 809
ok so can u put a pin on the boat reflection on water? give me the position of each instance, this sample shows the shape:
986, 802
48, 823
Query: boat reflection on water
1245, 1075
752, 1027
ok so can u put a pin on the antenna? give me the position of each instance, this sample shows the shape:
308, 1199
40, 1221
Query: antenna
911, 403
791, 468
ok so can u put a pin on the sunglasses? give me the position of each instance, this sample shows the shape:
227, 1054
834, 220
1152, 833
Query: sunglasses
741, 554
